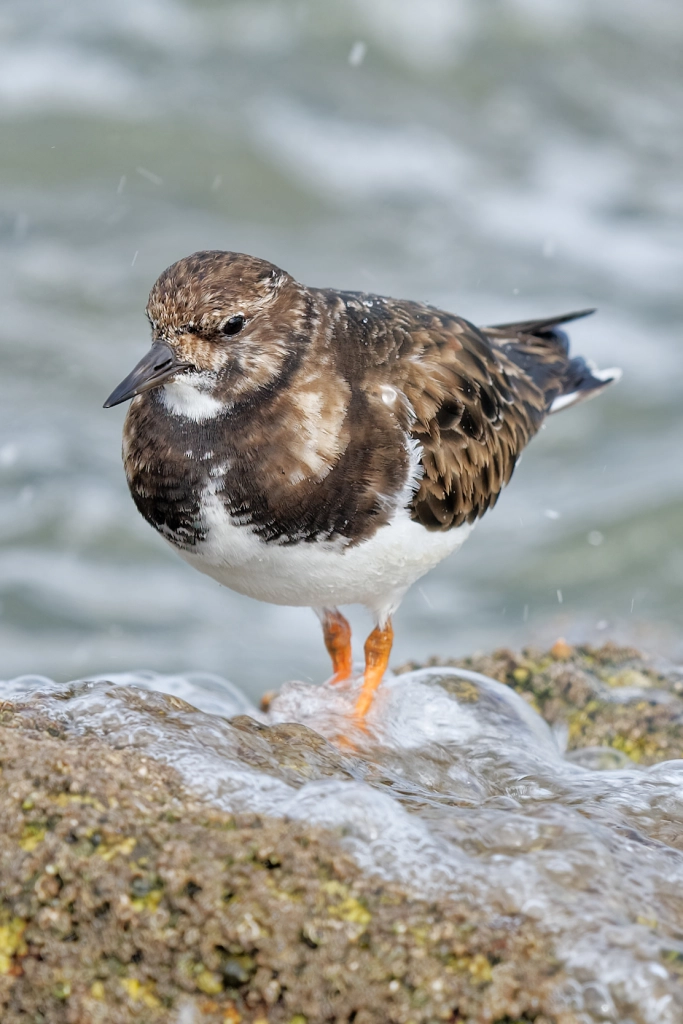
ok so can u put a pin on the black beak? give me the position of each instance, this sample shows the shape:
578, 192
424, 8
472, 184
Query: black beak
157, 366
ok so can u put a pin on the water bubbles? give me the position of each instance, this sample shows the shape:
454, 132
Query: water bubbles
598, 1002
595, 538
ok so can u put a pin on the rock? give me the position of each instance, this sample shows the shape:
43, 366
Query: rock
608, 696
452, 862
128, 898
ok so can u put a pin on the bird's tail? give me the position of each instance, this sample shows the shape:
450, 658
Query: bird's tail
541, 349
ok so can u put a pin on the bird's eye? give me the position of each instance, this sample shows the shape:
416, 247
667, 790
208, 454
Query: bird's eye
233, 326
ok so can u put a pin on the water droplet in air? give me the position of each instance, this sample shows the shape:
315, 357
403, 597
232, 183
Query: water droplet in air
357, 53
8, 454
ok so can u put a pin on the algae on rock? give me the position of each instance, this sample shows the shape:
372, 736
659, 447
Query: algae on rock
129, 894
607, 696
126, 899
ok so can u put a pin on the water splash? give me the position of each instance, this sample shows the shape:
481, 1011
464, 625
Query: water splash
457, 786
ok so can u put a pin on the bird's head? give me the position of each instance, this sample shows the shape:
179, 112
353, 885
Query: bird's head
224, 326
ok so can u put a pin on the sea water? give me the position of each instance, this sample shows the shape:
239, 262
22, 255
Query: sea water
499, 160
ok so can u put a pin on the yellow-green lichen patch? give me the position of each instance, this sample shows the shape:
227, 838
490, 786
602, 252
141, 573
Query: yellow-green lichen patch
209, 982
11, 942
32, 835
123, 847
140, 992
478, 966
351, 910
630, 677
146, 893
97, 990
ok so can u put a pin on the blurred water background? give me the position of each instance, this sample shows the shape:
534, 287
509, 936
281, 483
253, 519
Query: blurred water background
500, 159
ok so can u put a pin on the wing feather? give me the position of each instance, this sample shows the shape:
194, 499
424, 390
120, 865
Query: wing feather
474, 396
475, 408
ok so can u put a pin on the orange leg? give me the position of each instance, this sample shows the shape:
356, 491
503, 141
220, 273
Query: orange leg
337, 635
377, 651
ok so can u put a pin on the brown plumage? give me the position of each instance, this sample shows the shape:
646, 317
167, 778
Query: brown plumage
325, 418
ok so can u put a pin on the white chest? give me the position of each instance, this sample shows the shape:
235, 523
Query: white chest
375, 573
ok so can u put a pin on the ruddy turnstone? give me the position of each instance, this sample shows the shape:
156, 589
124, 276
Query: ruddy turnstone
309, 446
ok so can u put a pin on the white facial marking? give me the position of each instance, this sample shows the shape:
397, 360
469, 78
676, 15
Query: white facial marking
183, 397
389, 395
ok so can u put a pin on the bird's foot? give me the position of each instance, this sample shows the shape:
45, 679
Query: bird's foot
337, 636
377, 651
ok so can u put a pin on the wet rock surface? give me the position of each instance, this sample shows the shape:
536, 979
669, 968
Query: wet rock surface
605, 696
452, 862
125, 897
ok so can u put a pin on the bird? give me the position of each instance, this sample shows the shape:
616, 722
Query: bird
316, 447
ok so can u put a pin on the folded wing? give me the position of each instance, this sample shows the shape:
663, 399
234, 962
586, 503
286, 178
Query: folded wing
479, 395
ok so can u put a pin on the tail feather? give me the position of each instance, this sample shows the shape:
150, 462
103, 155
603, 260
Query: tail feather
536, 328
542, 350
583, 381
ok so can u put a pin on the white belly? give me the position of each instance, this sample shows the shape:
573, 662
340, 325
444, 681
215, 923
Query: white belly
375, 573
